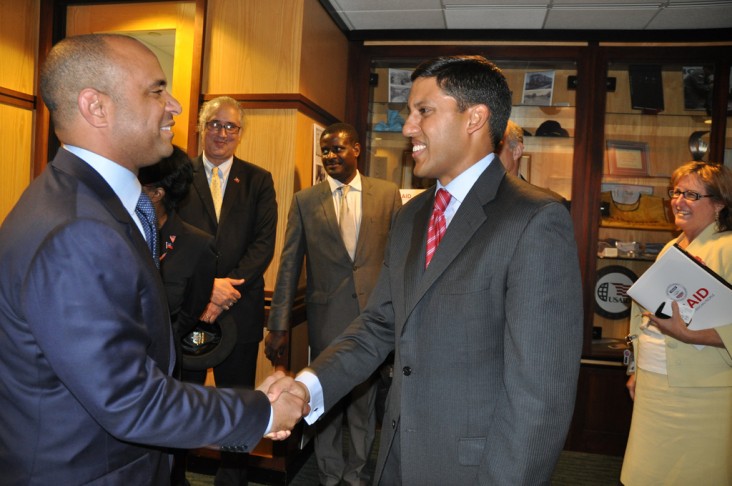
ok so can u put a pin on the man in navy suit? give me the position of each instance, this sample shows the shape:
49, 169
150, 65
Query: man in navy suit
85, 337
487, 333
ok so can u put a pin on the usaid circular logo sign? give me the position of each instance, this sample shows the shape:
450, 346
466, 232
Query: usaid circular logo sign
676, 291
611, 291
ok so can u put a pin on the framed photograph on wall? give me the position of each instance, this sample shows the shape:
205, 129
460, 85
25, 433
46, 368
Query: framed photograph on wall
538, 88
627, 158
400, 83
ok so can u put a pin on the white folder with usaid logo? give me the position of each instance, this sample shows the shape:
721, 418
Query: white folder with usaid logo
704, 297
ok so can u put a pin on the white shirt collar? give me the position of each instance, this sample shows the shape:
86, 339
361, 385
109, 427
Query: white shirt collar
122, 181
460, 186
225, 167
355, 183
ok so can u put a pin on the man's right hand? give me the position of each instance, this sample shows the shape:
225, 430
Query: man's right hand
276, 346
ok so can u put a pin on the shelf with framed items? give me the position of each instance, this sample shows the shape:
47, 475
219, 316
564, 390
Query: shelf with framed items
543, 105
656, 119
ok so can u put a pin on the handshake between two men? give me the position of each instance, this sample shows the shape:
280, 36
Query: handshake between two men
290, 403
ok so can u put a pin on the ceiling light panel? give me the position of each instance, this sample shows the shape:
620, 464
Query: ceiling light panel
484, 17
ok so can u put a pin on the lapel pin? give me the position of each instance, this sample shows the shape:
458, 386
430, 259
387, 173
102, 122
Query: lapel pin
236, 179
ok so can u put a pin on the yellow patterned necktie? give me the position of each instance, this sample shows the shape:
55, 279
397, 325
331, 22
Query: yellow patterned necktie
215, 187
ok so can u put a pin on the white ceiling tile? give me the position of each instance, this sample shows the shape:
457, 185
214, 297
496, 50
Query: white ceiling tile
396, 19
366, 5
615, 19
685, 18
495, 18
532, 14
494, 3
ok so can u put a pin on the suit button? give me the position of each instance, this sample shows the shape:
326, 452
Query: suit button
354, 296
355, 268
406, 371
393, 424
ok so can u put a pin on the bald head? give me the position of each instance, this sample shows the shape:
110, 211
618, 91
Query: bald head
76, 63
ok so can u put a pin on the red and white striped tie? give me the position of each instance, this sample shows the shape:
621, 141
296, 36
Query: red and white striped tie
438, 225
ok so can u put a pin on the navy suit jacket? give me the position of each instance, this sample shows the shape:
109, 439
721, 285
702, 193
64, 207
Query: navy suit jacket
86, 347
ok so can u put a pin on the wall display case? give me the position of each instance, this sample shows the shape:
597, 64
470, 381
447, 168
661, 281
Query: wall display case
643, 146
624, 139
548, 153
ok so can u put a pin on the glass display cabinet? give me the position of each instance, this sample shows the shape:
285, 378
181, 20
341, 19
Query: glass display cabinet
543, 96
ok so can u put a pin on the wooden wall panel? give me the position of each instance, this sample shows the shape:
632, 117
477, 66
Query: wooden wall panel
324, 60
179, 16
18, 44
15, 145
252, 46
269, 142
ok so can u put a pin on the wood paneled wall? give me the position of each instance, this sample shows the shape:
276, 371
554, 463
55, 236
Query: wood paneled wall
178, 16
18, 46
274, 52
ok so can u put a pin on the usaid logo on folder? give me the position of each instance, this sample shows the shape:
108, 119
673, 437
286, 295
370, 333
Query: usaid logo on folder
704, 297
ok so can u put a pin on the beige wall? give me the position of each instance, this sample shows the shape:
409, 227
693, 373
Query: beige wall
178, 16
18, 46
273, 47
276, 47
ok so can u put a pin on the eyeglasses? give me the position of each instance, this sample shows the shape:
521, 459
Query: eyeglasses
688, 195
216, 125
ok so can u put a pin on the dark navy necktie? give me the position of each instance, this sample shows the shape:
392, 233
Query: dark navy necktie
146, 212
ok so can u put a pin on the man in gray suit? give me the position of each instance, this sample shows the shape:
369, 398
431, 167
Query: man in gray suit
338, 286
487, 334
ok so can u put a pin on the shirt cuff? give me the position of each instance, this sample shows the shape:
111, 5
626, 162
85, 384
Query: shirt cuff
312, 383
269, 424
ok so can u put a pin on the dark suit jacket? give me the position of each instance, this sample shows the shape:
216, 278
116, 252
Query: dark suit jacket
245, 236
337, 288
487, 340
86, 346
188, 268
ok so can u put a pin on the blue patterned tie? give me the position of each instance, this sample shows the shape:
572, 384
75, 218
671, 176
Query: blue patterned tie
146, 212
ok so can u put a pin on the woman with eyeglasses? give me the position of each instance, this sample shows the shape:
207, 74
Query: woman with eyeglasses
681, 431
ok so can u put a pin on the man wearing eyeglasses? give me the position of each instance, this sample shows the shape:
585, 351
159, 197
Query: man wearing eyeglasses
235, 201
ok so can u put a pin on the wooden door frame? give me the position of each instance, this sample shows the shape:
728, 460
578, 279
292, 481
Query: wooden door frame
52, 28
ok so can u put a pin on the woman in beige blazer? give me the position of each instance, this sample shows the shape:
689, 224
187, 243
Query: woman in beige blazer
681, 430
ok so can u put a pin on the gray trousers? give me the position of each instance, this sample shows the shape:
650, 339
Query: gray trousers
359, 408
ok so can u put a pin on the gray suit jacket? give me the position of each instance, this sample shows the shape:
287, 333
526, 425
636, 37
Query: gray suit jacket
487, 340
337, 288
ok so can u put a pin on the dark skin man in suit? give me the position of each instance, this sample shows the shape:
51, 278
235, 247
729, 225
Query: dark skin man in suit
86, 354
338, 288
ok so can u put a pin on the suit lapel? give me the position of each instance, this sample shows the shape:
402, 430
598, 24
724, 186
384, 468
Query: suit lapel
71, 164
325, 197
368, 212
466, 222
233, 186
200, 183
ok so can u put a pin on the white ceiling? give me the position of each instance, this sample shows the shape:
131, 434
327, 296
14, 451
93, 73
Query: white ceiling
357, 15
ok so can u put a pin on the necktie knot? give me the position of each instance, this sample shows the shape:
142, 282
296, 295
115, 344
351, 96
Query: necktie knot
146, 212
442, 199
